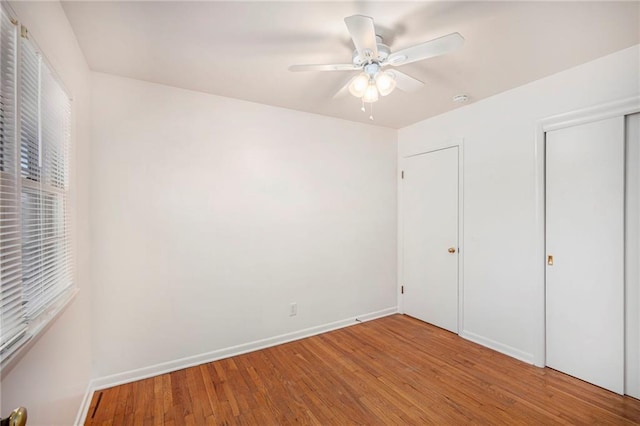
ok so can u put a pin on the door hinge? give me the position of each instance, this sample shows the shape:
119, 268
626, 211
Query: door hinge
402, 174
402, 289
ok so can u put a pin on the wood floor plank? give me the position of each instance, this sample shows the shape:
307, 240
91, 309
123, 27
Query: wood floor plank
395, 370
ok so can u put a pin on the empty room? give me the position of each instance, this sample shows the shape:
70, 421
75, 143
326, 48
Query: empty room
363, 212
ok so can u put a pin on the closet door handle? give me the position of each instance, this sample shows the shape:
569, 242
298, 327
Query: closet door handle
451, 250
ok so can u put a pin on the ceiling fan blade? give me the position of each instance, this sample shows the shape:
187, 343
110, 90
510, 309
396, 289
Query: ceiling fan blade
329, 67
404, 82
363, 34
428, 49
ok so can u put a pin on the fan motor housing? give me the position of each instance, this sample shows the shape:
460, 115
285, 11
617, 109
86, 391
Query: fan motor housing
383, 54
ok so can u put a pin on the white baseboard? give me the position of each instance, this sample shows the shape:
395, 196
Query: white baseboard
179, 364
497, 346
84, 406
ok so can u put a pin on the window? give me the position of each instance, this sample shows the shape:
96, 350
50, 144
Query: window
35, 232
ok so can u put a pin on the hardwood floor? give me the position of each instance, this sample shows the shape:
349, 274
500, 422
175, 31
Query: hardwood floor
395, 370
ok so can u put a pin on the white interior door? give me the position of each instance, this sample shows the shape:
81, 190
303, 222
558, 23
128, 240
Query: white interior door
430, 206
585, 236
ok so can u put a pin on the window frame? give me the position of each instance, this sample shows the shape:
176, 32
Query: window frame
37, 325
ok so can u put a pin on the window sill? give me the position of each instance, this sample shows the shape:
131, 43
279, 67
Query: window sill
36, 329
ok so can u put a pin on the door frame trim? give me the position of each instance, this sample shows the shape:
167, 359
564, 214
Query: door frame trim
603, 111
433, 147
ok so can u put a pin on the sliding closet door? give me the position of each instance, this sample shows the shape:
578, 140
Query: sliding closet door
632, 259
585, 247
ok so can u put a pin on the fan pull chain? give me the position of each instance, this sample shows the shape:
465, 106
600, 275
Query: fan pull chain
362, 109
371, 107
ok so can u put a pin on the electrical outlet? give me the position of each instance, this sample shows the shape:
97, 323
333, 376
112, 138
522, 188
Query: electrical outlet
293, 309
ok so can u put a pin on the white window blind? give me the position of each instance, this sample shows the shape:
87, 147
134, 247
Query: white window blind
12, 314
45, 112
35, 230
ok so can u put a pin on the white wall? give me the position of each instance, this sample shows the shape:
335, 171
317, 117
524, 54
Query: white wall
51, 379
502, 260
211, 215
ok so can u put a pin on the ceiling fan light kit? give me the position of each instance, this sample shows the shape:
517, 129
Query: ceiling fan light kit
371, 94
371, 55
372, 82
358, 85
385, 82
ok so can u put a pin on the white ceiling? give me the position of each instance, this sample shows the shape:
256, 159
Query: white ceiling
242, 49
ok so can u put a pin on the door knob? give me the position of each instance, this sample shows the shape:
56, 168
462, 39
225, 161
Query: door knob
451, 250
550, 260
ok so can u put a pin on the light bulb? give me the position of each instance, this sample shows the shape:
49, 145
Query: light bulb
358, 85
386, 82
371, 93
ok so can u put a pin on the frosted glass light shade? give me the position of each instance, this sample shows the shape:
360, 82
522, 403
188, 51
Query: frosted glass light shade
371, 93
359, 85
386, 82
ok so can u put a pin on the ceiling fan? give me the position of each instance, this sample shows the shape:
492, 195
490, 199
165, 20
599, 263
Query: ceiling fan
372, 55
